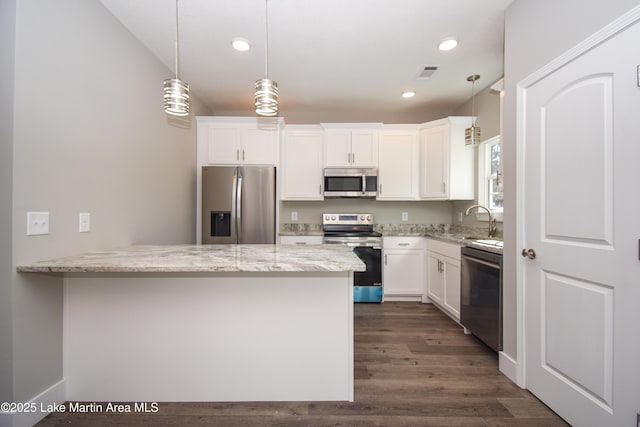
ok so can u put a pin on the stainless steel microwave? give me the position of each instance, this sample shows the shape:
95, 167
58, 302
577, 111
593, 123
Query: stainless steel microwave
350, 182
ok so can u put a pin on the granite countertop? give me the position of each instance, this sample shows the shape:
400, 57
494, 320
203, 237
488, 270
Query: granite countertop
205, 258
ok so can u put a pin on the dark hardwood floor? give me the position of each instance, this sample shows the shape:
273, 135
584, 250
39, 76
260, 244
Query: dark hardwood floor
413, 367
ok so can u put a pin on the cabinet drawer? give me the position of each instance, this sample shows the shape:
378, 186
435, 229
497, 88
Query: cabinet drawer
406, 242
451, 250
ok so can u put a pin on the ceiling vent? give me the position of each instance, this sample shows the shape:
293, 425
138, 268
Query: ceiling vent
427, 72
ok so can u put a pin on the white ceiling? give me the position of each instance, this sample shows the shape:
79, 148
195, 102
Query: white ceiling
326, 55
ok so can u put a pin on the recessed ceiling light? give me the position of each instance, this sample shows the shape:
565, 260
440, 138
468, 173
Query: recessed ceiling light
448, 44
408, 94
241, 44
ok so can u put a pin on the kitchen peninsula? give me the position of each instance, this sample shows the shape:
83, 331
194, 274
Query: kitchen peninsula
208, 323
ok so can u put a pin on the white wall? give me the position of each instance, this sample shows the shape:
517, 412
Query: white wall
89, 135
7, 39
487, 111
536, 32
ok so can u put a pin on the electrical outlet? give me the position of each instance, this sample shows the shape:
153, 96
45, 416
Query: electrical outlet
294, 216
37, 223
84, 223
405, 216
459, 216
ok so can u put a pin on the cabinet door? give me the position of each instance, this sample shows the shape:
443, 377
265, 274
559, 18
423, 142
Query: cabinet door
434, 158
364, 148
259, 147
302, 166
452, 286
435, 278
402, 272
337, 145
397, 166
223, 144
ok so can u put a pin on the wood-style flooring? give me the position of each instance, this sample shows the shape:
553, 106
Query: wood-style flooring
413, 367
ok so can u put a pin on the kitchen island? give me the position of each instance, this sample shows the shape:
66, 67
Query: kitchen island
208, 323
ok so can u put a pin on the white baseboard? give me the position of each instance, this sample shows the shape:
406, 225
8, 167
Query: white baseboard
54, 395
509, 367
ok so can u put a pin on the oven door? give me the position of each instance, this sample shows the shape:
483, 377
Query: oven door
372, 257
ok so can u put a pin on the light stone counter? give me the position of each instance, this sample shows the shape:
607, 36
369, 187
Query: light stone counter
205, 258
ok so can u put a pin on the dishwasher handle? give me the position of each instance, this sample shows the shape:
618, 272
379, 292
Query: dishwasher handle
480, 261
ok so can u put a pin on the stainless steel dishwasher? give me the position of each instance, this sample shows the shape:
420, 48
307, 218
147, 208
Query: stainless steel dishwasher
481, 291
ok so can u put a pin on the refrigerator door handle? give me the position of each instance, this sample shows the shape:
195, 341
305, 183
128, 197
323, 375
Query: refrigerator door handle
239, 207
234, 206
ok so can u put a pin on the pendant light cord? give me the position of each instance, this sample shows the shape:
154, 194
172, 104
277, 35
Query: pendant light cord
473, 101
266, 39
177, 45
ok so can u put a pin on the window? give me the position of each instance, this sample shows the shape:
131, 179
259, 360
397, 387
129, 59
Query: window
494, 183
490, 176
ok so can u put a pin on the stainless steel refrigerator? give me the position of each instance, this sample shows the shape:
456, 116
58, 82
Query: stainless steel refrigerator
238, 204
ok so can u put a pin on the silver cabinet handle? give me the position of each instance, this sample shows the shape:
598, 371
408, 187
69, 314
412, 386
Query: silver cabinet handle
404, 244
243, 154
237, 154
353, 158
320, 189
385, 259
529, 253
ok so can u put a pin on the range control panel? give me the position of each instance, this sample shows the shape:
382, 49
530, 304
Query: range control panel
347, 219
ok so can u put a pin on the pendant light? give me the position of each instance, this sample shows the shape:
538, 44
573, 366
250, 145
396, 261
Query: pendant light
472, 134
176, 92
266, 91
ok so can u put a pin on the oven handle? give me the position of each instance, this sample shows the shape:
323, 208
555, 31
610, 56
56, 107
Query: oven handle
353, 244
479, 261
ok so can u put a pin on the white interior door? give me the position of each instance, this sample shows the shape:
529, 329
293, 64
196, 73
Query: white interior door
581, 211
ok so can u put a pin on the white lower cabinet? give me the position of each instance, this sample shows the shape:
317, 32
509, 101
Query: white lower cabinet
443, 276
301, 240
403, 268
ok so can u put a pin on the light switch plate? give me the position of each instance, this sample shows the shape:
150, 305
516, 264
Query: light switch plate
37, 223
84, 223
405, 216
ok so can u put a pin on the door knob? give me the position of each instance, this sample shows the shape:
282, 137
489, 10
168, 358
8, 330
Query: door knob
529, 253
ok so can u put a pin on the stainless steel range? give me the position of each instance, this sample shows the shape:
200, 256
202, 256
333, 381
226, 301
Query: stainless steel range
356, 231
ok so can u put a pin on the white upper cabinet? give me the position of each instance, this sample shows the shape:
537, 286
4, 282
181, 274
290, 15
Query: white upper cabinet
398, 163
301, 171
351, 145
237, 140
447, 165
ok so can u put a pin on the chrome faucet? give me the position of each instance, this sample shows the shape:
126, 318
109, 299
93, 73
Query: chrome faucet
492, 221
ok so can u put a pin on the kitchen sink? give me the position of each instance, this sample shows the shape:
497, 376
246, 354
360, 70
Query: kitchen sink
489, 242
